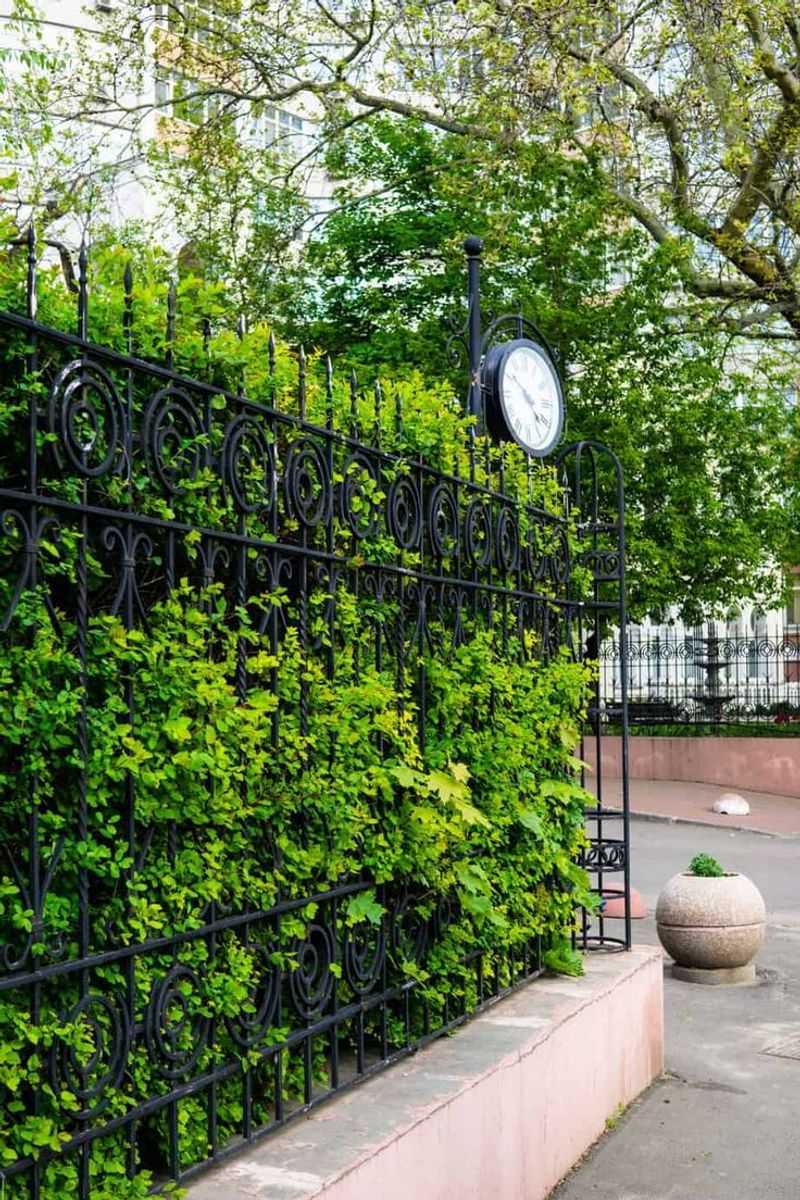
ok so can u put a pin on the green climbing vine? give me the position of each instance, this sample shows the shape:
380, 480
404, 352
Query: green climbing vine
319, 770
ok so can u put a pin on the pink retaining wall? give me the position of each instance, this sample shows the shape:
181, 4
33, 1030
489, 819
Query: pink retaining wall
503, 1109
518, 1130
762, 764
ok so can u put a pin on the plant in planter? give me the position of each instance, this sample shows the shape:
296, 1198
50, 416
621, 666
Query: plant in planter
706, 866
711, 921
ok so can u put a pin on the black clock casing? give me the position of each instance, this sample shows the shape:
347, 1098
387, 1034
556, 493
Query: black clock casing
523, 396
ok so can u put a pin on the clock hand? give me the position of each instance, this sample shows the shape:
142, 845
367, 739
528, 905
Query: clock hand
531, 402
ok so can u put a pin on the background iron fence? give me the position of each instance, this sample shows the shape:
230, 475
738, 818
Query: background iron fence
705, 679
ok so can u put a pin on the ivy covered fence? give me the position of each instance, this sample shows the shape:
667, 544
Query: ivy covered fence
293, 682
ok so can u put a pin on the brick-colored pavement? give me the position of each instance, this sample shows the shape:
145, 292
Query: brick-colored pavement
692, 802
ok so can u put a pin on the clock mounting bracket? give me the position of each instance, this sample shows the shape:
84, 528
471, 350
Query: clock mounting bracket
483, 345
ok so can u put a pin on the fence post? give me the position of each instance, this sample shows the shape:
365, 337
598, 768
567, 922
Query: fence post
473, 247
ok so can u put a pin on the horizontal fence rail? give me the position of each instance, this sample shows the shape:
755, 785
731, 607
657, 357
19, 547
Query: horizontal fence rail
303, 494
705, 681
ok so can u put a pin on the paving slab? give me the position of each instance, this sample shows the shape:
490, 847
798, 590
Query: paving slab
677, 801
722, 1124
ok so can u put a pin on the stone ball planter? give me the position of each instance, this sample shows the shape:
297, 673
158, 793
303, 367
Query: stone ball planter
712, 926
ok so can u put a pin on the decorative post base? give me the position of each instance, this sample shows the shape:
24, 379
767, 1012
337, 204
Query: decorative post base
725, 976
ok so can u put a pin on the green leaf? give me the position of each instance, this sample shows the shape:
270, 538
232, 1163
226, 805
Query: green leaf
364, 907
531, 820
447, 787
407, 777
179, 729
564, 960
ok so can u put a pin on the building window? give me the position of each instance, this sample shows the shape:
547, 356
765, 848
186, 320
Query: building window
196, 19
282, 131
792, 615
176, 95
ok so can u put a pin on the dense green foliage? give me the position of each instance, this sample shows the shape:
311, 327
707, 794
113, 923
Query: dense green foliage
240, 797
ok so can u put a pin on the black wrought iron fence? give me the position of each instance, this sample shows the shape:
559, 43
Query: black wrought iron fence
705, 680
108, 460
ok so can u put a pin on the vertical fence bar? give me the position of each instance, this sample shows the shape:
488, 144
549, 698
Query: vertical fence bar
622, 616
84, 918
128, 680
34, 862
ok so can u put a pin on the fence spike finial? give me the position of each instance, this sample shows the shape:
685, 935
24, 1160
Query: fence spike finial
301, 381
354, 401
31, 283
398, 410
329, 391
271, 352
378, 411
172, 308
241, 330
127, 312
83, 300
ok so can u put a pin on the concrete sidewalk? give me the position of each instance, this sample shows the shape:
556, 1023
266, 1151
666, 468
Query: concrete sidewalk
722, 1125
778, 815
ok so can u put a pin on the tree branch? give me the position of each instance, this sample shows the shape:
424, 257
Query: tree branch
661, 114
705, 286
782, 76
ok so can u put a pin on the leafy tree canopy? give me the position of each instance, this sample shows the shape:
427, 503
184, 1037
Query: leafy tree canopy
692, 107
705, 435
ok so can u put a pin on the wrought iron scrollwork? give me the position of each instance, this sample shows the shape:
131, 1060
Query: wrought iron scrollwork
443, 521
478, 532
248, 466
364, 956
31, 530
277, 572
172, 436
102, 1031
359, 505
559, 558
507, 540
133, 547
252, 1023
604, 564
607, 854
307, 482
410, 930
86, 415
311, 982
176, 1027
16, 953
405, 512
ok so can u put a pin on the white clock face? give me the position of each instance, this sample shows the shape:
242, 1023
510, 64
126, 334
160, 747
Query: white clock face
531, 398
